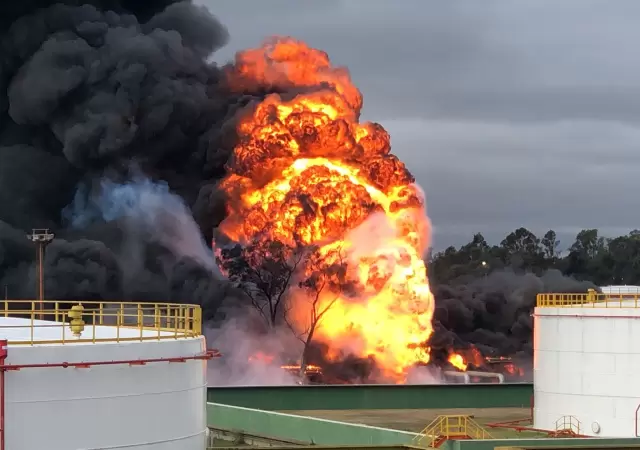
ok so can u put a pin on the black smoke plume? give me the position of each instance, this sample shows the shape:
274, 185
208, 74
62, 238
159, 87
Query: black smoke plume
494, 313
88, 90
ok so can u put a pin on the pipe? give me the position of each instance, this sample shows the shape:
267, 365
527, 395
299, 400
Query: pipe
40, 262
85, 365
473, 373
533, 402
586, 316
463, 375
3, 358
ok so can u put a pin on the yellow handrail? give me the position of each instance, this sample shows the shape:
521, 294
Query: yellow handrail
568, 423
450, 426
26, 322
589, 300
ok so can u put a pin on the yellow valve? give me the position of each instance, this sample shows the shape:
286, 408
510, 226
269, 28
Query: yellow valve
76, 323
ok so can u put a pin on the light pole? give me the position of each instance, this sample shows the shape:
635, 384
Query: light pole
41, 237
484, 268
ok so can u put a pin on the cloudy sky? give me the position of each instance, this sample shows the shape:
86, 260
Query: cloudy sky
508, 113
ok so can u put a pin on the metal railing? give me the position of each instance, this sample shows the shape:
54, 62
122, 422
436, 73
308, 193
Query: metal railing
450, 427
590, 299
60, 322
568, 425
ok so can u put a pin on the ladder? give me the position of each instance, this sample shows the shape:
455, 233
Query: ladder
446, 427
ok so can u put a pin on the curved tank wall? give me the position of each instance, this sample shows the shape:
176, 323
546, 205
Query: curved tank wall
153, 406
586, 365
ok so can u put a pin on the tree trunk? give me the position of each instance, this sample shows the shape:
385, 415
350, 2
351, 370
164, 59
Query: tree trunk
305, 351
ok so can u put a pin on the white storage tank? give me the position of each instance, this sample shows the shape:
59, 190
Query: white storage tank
102, 375
620, 290
586, 362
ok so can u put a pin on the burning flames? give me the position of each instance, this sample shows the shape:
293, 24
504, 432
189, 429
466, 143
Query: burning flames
472, 359
309, 368
508, 366
306, 172
469, 359
263, 358
457, 361
471, 356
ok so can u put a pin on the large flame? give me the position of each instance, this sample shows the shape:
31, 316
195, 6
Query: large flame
458, 361
306, 172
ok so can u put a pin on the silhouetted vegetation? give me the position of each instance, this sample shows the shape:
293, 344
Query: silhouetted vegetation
590, 257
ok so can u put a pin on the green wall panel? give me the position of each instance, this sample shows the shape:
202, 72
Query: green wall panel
318, 397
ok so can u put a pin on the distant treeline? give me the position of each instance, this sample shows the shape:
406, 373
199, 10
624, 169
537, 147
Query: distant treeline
590, 257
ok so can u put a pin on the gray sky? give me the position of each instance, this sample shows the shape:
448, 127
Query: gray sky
509, 113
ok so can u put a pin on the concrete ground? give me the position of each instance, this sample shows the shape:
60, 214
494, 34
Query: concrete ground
415, 420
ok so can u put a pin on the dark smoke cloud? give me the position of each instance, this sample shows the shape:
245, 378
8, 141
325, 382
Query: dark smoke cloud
494, 312
89, 89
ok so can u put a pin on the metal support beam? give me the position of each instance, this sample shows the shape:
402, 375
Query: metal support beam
41, 237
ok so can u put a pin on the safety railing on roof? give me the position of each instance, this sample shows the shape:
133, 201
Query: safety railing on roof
447, 427
60, 322
568, 425
591, 299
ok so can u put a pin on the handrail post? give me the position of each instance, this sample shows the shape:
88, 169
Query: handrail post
140, 321
118, 324
175, 322
33, 311
197, 321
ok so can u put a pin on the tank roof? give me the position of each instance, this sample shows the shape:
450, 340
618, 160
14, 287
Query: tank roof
620, 289
42, 332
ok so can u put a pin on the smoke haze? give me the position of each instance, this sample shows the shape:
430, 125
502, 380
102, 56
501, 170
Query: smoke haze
250, 358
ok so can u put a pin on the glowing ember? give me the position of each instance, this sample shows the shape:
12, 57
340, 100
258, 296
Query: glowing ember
309, 368
261, 357
306, 172
505, 365
513, 369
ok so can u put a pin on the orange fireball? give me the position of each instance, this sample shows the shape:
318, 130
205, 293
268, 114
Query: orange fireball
306, 172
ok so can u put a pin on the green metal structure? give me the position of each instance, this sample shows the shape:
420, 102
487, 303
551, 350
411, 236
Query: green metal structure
325, 397
253, 412
513, 444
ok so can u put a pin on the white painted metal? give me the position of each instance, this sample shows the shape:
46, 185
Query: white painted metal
489, 375
620, 290
19, 329
158, 406
457, 375
585, 365
466, 376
